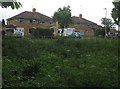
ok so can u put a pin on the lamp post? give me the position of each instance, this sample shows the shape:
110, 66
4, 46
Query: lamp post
105, 21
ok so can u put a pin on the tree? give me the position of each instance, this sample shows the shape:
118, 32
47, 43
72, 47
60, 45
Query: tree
13, 4
63, 16
116, 12
107, 23
3, 22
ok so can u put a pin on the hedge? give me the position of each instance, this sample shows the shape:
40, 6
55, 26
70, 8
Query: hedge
99, 32
41, 33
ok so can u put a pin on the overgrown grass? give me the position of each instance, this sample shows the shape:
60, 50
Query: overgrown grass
60, 62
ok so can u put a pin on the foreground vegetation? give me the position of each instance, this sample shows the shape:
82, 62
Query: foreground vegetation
60, 62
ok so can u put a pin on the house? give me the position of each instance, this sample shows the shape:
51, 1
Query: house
8, 29
28, 20
112, 31
84, 26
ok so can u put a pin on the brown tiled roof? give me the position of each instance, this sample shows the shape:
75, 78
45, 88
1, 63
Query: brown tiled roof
85, 23
30, 15
82, 20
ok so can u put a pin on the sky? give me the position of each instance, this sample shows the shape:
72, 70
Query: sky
92, 10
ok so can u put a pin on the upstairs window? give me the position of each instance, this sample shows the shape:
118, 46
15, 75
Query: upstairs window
88, 24
51, 22
42, 22
21, 20
32, 20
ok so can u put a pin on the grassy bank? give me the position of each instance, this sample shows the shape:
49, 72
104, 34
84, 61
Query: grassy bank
60, 62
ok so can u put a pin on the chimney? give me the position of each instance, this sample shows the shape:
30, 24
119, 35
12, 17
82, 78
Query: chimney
80, 15
34, 10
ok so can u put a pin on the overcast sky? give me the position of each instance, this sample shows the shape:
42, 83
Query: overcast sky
92, 10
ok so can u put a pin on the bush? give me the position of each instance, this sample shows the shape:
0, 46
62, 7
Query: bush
99, 32
31, 70
3, 33
42, 33
19, 48
9, 32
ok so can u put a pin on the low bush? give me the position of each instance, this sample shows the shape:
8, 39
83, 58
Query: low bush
42, 33
99, 32
9, 32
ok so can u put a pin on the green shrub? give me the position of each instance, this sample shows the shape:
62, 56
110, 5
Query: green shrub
42, 33
19, 48
31, 70
99, 32
9, 32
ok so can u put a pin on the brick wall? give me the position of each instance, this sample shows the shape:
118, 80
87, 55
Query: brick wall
88, 32
27, 25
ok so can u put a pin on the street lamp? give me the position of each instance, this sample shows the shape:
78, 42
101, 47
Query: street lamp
105, 21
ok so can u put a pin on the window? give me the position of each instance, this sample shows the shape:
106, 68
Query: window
32, 20
42, 22
21, 20
88, 24
51, 22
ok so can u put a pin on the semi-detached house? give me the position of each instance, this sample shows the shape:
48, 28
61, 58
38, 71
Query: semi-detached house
28, 20
84, 26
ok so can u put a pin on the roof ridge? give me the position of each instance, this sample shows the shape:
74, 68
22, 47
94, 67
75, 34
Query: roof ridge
29, 14
85, 19
16, 15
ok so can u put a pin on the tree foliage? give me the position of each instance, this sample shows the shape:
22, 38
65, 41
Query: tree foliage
116, 12
107, 22
63, 16
13, 4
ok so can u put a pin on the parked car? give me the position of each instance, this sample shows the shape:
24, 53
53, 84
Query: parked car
75, 35
116, 36
70, 32
18, 32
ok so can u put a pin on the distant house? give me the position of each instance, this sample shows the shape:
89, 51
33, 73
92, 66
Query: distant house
84, 26
8, 29
28, 20
112, 31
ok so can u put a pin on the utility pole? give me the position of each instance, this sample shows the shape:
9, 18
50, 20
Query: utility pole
105, 21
